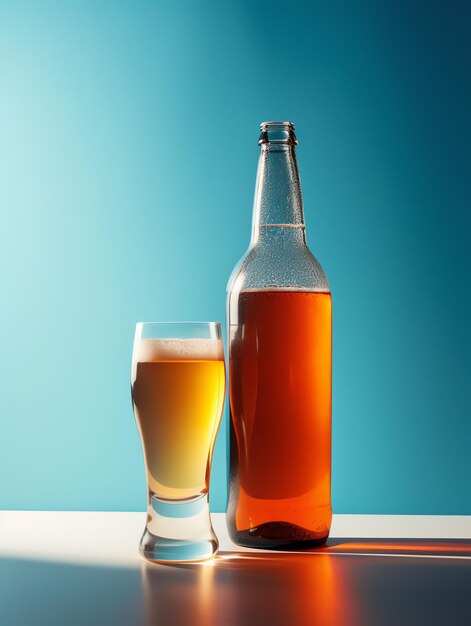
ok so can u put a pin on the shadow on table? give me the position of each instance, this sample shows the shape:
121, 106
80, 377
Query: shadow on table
46, 593
347, 583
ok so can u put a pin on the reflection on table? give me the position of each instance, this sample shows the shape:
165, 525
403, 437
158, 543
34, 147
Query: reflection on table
350, 582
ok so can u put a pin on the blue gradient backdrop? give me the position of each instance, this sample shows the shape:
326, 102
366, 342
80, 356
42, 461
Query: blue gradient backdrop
128, 151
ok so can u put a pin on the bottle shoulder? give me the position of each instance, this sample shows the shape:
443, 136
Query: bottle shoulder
264, 266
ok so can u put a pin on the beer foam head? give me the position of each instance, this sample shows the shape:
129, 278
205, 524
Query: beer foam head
148, 350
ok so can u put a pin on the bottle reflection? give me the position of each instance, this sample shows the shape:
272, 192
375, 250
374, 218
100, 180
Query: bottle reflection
285, 589
240, 588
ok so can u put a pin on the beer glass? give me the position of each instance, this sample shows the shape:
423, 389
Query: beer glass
177, 387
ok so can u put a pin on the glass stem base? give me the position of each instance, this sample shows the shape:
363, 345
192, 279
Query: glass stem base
179, 531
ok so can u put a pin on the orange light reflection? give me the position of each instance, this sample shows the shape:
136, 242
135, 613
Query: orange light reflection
397, 547
250, 588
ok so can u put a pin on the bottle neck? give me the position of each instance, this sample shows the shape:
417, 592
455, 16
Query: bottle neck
278, 203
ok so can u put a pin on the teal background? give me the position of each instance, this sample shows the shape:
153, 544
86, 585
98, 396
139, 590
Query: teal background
128, 152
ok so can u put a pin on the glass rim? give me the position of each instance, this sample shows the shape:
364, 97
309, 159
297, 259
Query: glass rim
189, 323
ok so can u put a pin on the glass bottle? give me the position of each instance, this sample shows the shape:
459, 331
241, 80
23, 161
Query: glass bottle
280, 338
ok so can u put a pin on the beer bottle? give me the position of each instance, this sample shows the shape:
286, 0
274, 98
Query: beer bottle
280, 338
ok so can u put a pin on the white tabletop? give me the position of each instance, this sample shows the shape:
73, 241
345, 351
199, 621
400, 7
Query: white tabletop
84, 568
111, 538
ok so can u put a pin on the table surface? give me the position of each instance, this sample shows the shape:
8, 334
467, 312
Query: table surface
74, 568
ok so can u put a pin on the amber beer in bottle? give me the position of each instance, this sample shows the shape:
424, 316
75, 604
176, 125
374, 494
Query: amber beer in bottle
280, 363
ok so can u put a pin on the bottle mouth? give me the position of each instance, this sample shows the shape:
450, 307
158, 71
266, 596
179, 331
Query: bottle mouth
277, 133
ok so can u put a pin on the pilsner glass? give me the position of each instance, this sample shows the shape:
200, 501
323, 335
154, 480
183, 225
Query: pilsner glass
177, 386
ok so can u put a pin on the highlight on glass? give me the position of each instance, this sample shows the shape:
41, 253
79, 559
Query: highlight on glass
177, 387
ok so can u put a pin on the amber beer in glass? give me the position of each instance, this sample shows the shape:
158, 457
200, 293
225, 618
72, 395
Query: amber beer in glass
279, 323
178, 382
